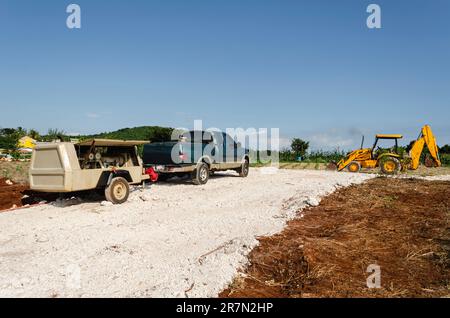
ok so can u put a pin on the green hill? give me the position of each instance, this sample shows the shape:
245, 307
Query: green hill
151, 133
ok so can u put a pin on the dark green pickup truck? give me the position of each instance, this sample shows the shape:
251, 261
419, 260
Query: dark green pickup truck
198, 154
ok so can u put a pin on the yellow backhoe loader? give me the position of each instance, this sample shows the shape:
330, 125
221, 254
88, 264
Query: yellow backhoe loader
391, 162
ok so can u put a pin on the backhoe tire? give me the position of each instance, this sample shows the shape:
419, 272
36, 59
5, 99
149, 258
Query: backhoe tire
390, 165
354, 167
201, 174
117, 191
244, 169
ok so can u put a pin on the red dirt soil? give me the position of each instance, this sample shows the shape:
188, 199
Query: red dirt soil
11, 195
401, 225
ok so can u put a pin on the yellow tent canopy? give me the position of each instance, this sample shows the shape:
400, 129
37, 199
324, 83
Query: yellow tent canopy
26, 142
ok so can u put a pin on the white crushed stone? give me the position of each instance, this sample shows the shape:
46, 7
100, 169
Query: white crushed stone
438, 178
169, 240
312, 202
106, 203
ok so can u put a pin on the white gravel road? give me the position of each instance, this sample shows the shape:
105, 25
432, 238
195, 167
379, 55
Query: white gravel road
172, 240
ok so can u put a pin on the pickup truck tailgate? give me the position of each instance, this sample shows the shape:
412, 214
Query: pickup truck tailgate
159, 153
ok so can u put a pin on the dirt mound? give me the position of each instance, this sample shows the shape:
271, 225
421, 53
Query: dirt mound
400, 225
11, 194
4, 182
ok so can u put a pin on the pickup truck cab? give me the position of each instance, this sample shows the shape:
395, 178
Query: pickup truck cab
198, 154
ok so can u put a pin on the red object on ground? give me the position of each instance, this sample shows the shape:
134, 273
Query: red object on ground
152, 173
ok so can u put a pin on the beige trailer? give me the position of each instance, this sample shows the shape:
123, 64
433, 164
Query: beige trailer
64, 167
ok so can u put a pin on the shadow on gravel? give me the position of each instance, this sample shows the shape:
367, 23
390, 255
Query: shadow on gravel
187, 180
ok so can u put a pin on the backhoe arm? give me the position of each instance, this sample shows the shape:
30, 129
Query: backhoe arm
426, 137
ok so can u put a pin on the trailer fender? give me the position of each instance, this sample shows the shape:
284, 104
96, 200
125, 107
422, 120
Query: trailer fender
119, 173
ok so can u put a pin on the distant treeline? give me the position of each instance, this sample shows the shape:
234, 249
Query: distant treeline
150, 133
298, 150
9, 137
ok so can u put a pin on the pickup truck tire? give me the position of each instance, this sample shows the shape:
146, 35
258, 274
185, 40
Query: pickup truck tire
201, 174
117, 191
244, 169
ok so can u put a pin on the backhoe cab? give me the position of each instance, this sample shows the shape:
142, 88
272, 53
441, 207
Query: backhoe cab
391, 162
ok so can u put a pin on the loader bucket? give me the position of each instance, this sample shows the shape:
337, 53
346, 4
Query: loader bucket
332, 166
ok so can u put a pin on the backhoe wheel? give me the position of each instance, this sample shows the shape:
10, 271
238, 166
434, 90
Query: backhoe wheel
390, 165
244, 169
118, 191
354, 166
201, 174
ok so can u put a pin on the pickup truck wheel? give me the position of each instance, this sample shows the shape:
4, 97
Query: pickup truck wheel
201, 174
244, 169
118, 191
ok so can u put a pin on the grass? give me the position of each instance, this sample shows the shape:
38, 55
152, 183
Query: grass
16, 171
421, 171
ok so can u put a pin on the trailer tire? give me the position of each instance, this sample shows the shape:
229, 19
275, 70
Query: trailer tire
118, 191
201, 174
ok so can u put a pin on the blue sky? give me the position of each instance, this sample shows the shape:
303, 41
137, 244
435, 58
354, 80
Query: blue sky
311, 68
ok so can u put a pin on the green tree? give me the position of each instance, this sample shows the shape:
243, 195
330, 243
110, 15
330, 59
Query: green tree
160, 134
7, 139
55, 134
34, 134
299, 147
445, 149
10, 136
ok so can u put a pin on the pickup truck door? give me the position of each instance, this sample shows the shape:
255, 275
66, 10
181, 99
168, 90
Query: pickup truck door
230, 150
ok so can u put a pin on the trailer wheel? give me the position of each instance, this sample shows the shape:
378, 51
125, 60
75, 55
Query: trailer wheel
118, 191
201, 174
